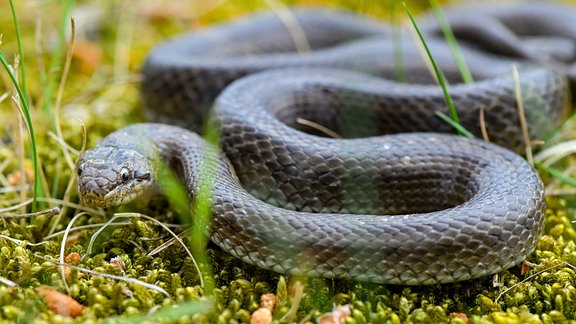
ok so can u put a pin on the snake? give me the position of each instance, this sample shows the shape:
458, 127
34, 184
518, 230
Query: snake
321, 163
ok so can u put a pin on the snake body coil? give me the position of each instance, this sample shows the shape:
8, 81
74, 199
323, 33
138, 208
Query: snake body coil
411, 208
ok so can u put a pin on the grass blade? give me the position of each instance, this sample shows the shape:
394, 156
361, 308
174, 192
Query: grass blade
28, 119
20, 52
452, 43
457, 126
397, 41
23, 97
556, 174
439, 75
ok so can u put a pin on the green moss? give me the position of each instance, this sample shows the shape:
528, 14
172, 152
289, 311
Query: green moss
548, 296
545, 294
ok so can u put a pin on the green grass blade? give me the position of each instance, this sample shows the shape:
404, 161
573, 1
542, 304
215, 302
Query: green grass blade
397, 41
463, 131
203, 203
28, 118
556, 174
439, 75
452, 42
169, 314
20, 53
24, 100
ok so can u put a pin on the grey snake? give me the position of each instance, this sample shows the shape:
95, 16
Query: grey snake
396, 200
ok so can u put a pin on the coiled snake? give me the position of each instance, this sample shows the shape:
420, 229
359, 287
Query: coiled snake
411, 208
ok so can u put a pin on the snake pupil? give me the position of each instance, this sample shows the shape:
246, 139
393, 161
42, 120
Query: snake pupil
125, 175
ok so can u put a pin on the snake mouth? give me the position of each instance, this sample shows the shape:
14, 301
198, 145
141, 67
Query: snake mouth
104, 197
103, 203
92, 194
95, 201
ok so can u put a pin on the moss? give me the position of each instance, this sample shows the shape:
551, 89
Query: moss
545, 294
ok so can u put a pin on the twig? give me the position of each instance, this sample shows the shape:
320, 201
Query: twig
292, 25
318, 127
106, 275
532, 276
51, 211
522, 116
483, 125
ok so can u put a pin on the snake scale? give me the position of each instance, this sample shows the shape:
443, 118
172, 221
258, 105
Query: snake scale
396, 200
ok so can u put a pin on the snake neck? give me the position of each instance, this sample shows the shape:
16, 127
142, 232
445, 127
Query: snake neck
195, 162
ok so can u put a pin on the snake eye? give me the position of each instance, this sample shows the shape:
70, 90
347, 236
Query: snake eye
80, 169
124, 174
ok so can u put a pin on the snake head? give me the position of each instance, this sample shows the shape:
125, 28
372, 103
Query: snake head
108, 176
